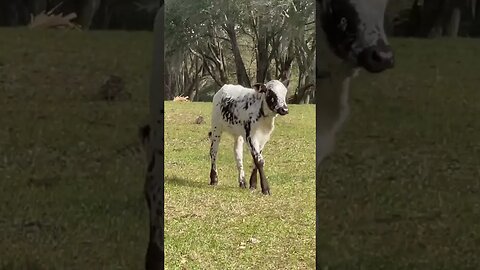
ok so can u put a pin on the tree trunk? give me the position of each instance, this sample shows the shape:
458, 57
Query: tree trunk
454, 25
262, 56
15, 13
169, 85
437, 29
304, 92
107, 16
214, 60
242, 76
87, 13
37, 6
192, 78
414, 19
431, 23
284, 65
475, 26
13, 19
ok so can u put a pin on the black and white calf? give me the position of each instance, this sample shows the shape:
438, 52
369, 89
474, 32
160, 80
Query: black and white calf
249, 115
350, 36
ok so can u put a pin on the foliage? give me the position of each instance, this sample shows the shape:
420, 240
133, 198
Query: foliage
225, 35
399, 191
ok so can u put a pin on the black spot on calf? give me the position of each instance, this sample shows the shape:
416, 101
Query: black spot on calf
228, 106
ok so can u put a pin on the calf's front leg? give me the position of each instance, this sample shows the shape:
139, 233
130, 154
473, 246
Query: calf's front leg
253, 176
259, 162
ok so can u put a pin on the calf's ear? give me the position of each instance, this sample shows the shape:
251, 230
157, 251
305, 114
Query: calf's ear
260, 87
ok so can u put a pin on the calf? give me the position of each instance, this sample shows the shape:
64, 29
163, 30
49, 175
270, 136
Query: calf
350, 36
249, 115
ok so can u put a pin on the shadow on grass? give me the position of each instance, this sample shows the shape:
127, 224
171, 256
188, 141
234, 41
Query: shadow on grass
179, 181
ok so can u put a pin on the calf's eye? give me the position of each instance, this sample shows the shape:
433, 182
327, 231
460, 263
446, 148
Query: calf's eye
342, 25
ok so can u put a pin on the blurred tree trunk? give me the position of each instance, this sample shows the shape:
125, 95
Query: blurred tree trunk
37, 6
87, 12
454, 25
106, 11
475, 26
13, 12
414, 18
432, 18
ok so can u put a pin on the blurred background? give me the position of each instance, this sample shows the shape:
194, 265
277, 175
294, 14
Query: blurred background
209, 43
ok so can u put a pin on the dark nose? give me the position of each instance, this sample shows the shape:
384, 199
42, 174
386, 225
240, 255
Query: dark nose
376, 59
283, 110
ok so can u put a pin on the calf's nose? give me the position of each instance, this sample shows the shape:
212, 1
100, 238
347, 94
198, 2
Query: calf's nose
283, 110
377, 58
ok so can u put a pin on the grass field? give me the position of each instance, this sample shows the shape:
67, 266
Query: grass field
71, 174
212, 228
401, 191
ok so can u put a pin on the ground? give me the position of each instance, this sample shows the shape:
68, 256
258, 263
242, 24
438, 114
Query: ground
212, 228
71, 170
400, 192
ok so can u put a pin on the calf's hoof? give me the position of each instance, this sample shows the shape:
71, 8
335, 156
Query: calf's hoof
266, 192
241, 183
213, 178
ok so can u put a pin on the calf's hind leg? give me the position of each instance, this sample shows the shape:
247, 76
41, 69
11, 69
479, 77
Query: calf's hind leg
215, 136
238, 150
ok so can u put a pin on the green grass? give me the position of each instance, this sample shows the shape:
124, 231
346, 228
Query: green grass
401, 191
205, 226
71, 174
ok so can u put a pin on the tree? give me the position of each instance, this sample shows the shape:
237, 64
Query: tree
87, 12
443, 17
225, 35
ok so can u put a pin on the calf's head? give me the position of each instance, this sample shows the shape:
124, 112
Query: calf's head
275, 96
354, 30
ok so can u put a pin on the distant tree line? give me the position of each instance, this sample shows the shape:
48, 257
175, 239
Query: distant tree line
92, 14
433, 18
213, 42
209, 43
410, 18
